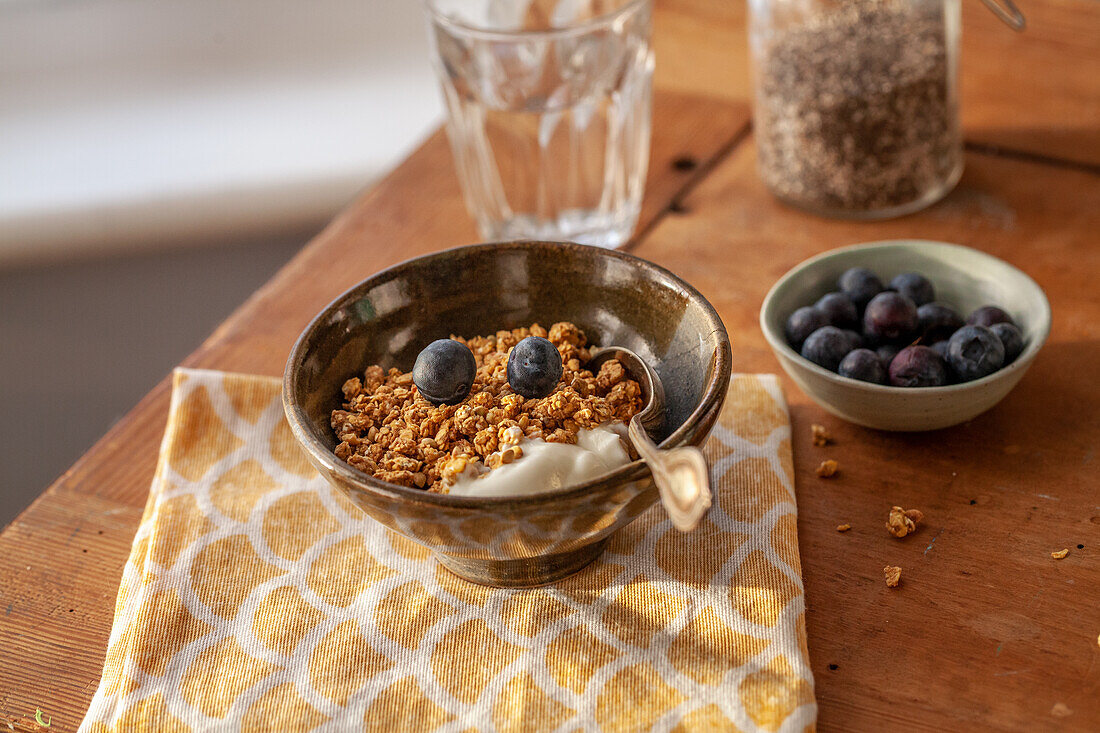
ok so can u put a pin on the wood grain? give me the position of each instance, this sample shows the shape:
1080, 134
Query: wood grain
987, 631
61, 560
1036, 91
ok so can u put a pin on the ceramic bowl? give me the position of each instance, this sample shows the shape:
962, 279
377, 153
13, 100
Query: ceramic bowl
616, 298
964, 278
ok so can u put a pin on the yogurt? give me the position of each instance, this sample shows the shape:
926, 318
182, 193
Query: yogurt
551, 466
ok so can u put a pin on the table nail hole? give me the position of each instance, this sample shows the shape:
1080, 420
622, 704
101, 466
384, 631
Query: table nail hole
685, 163
834, 666
1080, 547
973, 502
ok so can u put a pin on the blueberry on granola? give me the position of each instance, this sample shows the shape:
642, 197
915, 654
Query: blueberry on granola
534, 367
444, 372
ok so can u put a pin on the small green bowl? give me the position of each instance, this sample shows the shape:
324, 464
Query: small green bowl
964, 278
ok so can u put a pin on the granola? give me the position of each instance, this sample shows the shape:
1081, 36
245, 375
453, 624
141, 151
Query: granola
827, 468
821, 436
903, 521
1058, 555
843, 527
385, 428
893, 575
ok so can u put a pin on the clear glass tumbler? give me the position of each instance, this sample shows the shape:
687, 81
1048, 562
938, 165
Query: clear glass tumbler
548, 106
857, 112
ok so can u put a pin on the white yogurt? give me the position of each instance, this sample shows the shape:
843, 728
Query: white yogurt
551, 466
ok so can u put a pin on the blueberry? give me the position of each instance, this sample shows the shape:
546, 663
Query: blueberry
854, 338
914, 286
940, 347
974, 352
860, 284
987, 315
937, 321
826, 347
802, 323
534, 367
444, 372
839, 309
863, 364
890, 317
887, 352
1011, 339
918, 366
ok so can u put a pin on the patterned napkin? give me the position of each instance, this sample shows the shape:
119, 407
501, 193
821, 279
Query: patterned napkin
258, 598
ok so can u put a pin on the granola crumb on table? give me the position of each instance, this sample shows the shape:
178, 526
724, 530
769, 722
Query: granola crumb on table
1058, 555
820, 435
827, 468
903, 521
388, 430
893, 575
843, 527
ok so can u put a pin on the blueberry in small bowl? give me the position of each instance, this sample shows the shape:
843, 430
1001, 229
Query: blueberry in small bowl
908, 326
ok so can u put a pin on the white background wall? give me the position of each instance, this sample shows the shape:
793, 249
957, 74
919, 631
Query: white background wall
132, 131
124, 123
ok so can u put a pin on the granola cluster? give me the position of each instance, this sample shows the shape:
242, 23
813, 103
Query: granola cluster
893, 575
903, 521
388, 430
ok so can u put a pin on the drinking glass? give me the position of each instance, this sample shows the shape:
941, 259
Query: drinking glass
548, 105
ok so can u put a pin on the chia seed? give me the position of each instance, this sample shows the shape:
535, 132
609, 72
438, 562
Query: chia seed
856, 109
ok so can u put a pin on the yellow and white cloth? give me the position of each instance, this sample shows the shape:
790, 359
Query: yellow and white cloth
258, 598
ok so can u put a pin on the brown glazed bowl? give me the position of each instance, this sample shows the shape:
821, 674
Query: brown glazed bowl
614, 297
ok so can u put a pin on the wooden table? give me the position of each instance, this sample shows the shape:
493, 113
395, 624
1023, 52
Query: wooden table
988, 632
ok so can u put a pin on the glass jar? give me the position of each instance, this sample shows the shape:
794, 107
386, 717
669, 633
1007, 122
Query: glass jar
857, 112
